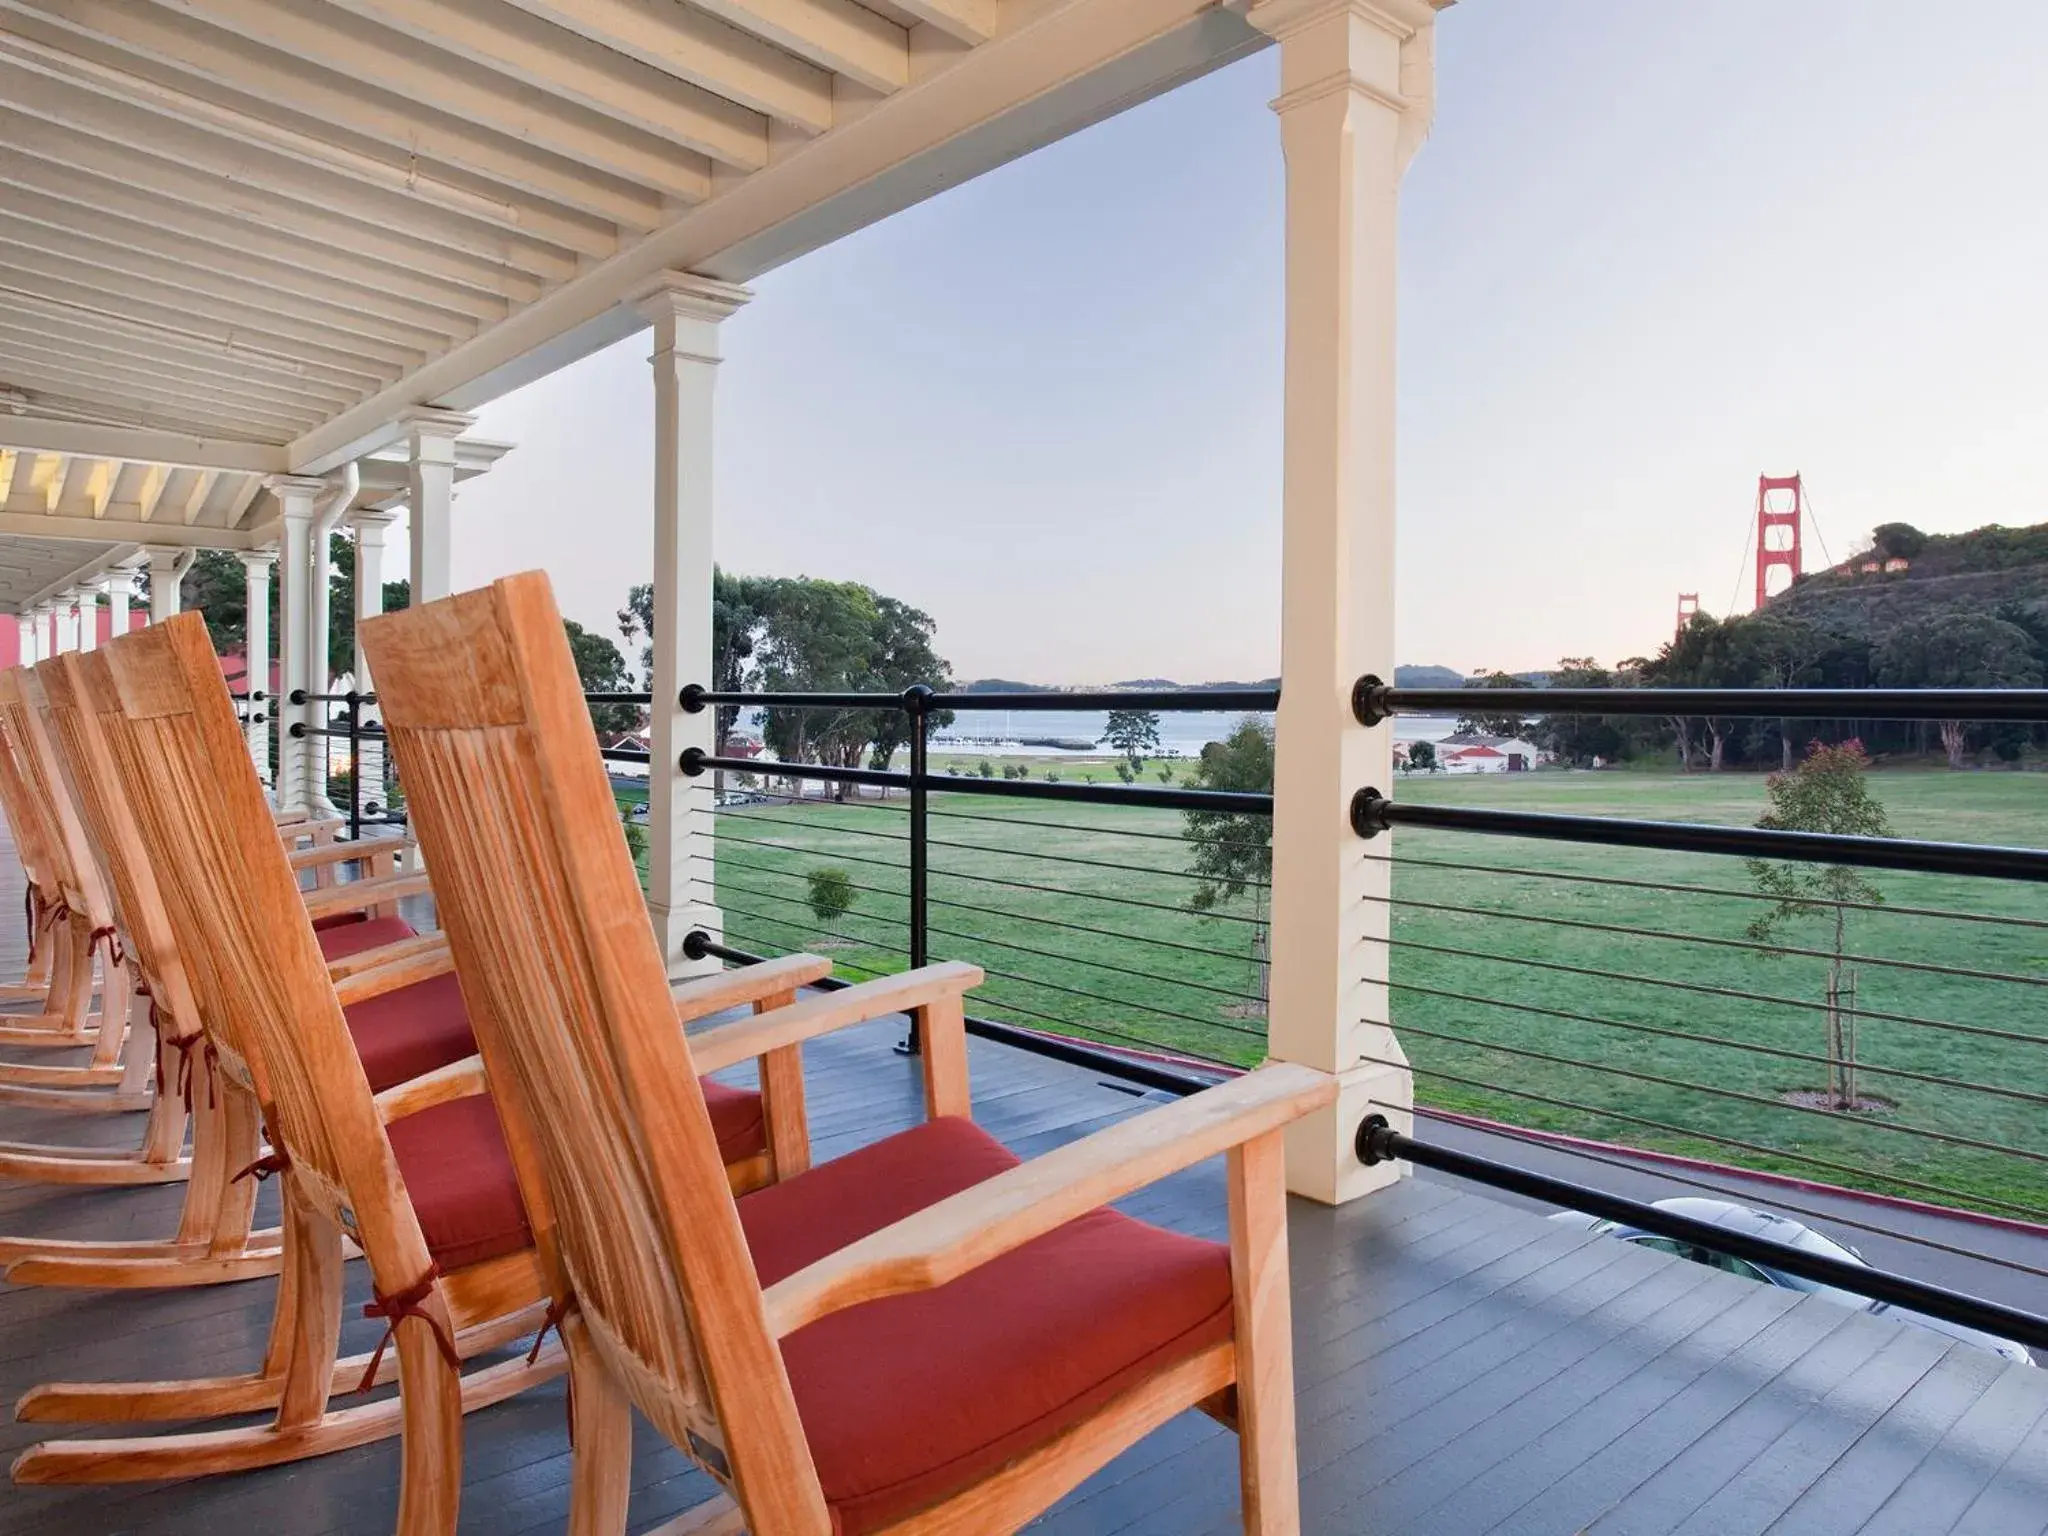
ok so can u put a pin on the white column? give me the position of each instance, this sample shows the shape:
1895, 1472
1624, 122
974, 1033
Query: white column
686, 311
296, 495
256, 568
371, 529
64, 618
328, 511
167, 567
430, 450
88, 600
1355, 95
31, 637
120, 585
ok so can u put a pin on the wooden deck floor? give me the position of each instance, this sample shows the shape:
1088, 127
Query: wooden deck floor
1464, 1367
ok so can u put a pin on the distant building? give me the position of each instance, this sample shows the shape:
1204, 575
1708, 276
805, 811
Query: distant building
1486, 754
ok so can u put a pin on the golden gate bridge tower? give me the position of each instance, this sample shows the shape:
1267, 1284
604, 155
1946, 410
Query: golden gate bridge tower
1777, 530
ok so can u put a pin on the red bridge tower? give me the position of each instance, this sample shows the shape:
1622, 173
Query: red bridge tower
1777, 530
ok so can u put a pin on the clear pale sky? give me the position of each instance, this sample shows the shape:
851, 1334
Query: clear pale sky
1648, 252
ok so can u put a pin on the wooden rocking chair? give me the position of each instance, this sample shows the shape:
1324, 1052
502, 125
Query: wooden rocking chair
73, 915
433, 1202
923, 1336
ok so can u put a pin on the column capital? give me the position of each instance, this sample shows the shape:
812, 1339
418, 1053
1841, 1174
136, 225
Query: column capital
1280, 18
295, 493
256, 559
432, 421
689, 296
372, 521
160, 555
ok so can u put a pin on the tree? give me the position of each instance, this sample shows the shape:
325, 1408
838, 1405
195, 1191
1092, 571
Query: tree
737, 603
601, 667
1126, 772
1133, 732
1479, 720
1231, 852
1827, 792
1573, 738
1897, 541
1422, 756
1957, 648
1697, 657
341, 604
829, 893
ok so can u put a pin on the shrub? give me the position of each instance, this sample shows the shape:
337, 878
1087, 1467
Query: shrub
830, 893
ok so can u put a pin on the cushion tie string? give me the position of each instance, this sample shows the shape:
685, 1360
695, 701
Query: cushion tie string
185, 1046
116, 955
32, 914
557, 1310
410, 1302
264, 1167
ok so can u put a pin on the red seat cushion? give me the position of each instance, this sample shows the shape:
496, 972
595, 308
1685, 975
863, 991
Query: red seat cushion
736, 1121
908, 1400
459, 1175
409, 1031
342, 939
338, 920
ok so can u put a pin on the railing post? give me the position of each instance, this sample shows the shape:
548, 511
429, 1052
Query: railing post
355, 766
917, 704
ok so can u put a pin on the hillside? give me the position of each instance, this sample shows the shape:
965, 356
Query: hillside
1992, 568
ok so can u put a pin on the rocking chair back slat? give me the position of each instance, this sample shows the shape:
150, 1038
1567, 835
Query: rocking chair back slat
58, 688
569, 996
47, 802
235, 910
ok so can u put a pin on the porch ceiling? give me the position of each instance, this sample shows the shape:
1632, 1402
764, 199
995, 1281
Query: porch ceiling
67, 517
265, 227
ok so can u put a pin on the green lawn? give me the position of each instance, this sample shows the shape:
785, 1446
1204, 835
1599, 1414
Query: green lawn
1105, 947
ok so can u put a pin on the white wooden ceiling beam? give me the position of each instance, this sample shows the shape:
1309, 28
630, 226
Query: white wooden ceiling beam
29, 434
169, 252
231, 497
182, 350
90, 195
183, 320
276, 157
323, 34
17, 493
171, 399
74, 405
195, 494
503, 39
231, 72
223, 195
969, 21
20, 333
46, 248
73, 482
53, 278
706, 52
32, 351
246, 173
835, 35
120, 530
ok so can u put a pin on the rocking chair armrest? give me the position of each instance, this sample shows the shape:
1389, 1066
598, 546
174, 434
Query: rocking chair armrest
698, 997
964, 1231
462, 1079
316, 854
305, 826
404, 964
385, 954
355, 895
727, 1045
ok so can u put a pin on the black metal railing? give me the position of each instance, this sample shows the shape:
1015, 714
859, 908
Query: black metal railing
1586, 1009
1031, 877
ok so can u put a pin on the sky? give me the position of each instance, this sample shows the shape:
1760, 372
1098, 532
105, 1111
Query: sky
1648, 252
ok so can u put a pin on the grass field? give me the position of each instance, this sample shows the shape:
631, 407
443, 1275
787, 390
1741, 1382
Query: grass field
1079, 915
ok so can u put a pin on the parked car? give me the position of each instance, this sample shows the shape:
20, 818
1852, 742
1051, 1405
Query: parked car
1782, 1229
637, 814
